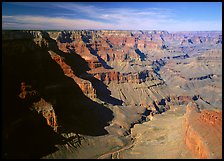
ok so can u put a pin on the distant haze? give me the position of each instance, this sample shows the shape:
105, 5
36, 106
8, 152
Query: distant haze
170, 16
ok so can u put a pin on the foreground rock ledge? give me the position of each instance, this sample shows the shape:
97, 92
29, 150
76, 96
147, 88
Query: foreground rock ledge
203, 135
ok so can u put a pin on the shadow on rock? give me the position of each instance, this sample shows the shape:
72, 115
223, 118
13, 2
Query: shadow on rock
30, 138
23, 60
80, 66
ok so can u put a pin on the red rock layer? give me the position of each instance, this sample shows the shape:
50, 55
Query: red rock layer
211, 117
86, 86
203, 135
121, 46
81, 49
109, 75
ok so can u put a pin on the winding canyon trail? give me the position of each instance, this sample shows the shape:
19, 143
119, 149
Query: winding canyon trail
115, 154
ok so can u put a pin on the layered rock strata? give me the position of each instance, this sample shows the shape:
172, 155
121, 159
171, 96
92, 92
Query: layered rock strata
85, 85
203, 135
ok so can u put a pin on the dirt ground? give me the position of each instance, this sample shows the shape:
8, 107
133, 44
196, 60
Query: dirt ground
160, 138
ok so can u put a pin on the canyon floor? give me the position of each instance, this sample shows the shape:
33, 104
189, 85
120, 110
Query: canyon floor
161, 138
112, 94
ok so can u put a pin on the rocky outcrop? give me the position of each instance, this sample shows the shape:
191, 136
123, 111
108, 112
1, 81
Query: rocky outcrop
203, 132
38, 37
15, 35
26, 92
85, 85
164, 104
211, 117
107, 76
47, 110
39, 104
180, 100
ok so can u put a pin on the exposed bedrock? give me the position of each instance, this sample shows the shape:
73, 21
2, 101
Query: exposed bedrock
108, 76
85, 85
203, 133
105, 50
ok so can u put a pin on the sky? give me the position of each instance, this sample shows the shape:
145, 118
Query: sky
169, 16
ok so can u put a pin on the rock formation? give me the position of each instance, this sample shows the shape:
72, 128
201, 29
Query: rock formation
75, 79
85, 85
203, 134
39, 104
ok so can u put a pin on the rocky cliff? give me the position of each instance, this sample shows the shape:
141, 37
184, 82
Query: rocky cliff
85, 85
101, 49
203, 134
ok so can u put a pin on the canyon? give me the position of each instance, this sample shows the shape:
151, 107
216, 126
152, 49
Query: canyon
112, 94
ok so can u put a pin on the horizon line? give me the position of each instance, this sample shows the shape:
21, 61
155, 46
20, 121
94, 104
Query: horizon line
110, 30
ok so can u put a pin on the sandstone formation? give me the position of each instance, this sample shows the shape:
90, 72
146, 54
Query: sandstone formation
84, 85
203, 134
